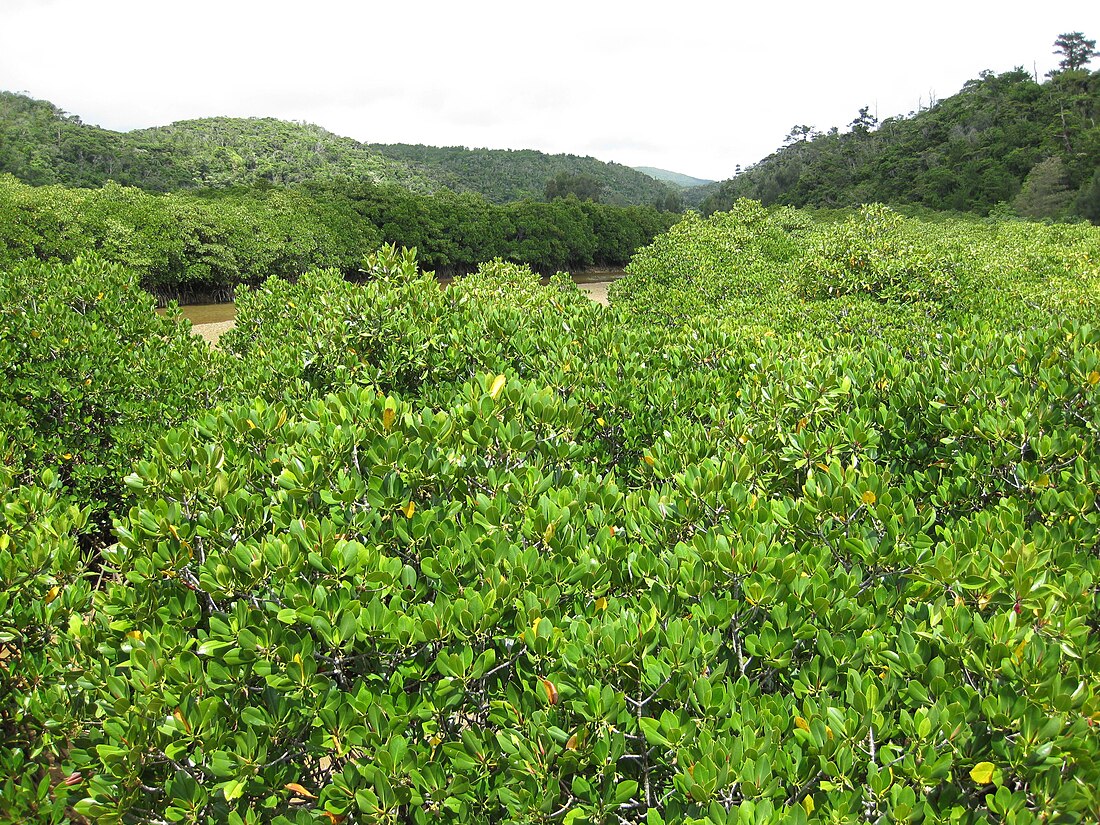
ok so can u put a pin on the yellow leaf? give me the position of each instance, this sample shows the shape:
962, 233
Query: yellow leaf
388, 416
548, 533
601, 603
498, 385
648, 459
571, 743
801, 723
334, 819
182, 720
551, 691
298, 789
869, 497
176, 534
50, 596
1094, 377
982, 773
600, 421
1043, 481
535, 624
409, 509
135, 635
282, 419
1018, 654
808, 804
251, 424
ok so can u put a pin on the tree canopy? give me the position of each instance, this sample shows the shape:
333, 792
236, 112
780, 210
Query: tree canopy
1075, 49
989, 144
40, 144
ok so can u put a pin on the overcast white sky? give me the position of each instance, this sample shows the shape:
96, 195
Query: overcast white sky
696, 87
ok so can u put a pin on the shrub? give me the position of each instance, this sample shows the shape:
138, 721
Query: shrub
689, 580
43, 598
91, 375
495, 553
880, 254
872, 276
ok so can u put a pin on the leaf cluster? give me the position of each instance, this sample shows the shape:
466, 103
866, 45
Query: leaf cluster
493, 552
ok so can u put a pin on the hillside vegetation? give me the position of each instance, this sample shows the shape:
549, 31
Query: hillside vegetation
802, 528
504, 175
224, 151
1004, 139
40, 144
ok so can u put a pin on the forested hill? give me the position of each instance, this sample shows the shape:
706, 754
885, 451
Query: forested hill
40, 144
504, 175
227, 151
1004, 138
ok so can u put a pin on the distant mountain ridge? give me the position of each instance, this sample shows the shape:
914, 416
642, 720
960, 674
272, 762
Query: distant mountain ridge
41, 144
675, 178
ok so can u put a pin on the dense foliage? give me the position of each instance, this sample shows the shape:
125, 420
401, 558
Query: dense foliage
90, 375
40, 144
504, 175
179, 242
225, 151
869, 275
187, 243
42, 593
1004, 138
496, 553
455, 233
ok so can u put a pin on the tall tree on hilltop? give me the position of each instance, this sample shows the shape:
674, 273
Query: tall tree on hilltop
1076, 51
865, 122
